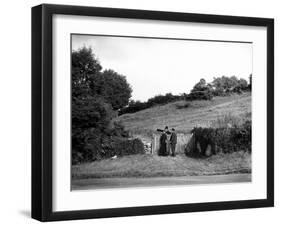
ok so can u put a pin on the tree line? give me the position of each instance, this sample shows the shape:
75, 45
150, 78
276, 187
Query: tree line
220, 86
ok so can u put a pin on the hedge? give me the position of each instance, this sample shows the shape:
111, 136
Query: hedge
103, 147
226, 140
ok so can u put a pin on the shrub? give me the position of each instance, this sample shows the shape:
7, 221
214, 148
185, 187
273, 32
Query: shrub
183, 106
199, 95
162, 99
84, 143
218, 91
128, 147
101, 146
91, 112
225, 139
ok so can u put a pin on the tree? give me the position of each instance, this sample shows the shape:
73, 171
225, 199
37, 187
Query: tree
84, 66
225, 83
243, 84
95, 96
90, 120
113, 87
201, 91
89, 112
88, 79
200, 86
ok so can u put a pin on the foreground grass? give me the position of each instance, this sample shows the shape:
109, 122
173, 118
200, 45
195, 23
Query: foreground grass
156, 166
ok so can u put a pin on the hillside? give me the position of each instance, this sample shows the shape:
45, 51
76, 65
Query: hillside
184, 115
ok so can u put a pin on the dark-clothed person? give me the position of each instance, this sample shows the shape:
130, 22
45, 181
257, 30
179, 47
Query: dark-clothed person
173, 142
163, 143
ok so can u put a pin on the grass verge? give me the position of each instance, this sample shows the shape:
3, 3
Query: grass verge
156, 166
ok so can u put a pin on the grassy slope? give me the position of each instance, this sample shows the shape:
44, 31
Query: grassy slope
156, 166
199, 113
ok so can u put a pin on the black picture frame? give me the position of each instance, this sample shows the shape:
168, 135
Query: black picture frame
42, 111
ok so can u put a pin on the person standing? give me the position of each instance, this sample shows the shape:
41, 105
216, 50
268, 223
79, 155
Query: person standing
173, 142
163, 142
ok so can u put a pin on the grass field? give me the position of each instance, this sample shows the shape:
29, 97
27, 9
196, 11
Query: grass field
184, 115
156, 166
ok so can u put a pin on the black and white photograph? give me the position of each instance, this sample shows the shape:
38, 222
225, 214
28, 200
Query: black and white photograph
153, 111
142, 112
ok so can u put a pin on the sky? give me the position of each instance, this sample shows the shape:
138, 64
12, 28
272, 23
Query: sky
160, 66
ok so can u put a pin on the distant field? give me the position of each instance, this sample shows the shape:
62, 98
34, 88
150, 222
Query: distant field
156, 166
196, 113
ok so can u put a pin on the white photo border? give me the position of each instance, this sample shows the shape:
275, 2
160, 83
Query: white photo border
64, 199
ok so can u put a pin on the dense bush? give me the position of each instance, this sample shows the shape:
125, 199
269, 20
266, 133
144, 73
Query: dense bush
100, 146
90, 117
183, 106
162, 99
90, 112
128, 147
226, 139
199, 95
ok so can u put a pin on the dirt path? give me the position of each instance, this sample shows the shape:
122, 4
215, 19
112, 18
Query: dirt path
101, 183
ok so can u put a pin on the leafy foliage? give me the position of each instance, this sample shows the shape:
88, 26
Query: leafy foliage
84, 66
162, 99
91, 112
199, 95
88, 79
223, 139
225, 85
112, 87
201, 91
96, 94
101, 146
